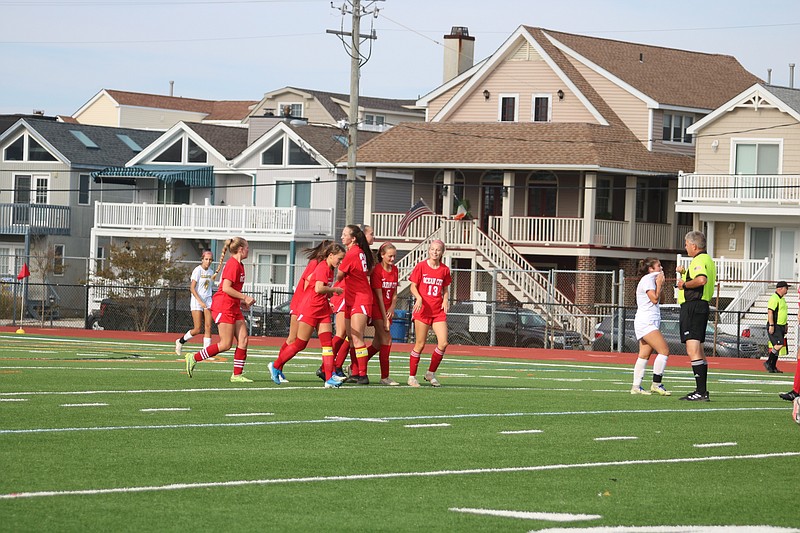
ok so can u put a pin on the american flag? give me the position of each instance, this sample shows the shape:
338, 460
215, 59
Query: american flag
417, 210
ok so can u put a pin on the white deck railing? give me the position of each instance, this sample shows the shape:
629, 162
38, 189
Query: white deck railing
199, 219
740, 189
733, 272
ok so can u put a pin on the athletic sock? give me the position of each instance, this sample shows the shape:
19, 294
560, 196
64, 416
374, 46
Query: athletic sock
341, 353
238, 360
372, 350
206, 353
796, 387
436, 358
658, 367
413, 362
638, 372
336, 343
186, 336
700, 369
291, 350
206, 342
327, 354
361, 359
384, 360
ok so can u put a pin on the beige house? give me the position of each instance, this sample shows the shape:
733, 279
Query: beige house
745, 189
567, 149
320, 107
125, 109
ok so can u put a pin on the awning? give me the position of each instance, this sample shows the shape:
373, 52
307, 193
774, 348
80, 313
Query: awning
190, 176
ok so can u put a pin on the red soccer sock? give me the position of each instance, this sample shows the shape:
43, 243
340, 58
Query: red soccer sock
336, 343
384, 360
341, 354
286, 355
360, 361
797, 377
327, 354
413, 362
205, 353
372, 350
238, 360
436, 358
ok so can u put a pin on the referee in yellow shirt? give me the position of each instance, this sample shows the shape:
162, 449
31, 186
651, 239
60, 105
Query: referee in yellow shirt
777, 319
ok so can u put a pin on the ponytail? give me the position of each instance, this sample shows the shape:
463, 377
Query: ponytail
222, 256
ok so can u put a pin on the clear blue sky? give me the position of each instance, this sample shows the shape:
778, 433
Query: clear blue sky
59, 53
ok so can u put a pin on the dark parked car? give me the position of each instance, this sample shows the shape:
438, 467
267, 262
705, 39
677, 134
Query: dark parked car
513, 326
125, 314
727, 345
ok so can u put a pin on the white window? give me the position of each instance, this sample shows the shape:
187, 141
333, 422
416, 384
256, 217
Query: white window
541, 108
757, 157
184, 150
291, 109
374, 120
509, 111
83, 189
100, 256
272, 268
26, 148
674, 128
292, 193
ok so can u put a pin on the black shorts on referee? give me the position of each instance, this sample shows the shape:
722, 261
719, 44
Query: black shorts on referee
778, 335
694, 320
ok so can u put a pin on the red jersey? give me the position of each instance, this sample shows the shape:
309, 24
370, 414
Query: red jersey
337, 300
301, 291
386, 282
221, 302
354, 266
431, 283
316, 305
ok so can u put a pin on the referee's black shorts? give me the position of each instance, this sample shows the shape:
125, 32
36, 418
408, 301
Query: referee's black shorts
778, 335
694, 320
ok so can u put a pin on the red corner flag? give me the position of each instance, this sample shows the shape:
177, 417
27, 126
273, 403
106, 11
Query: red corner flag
23, 272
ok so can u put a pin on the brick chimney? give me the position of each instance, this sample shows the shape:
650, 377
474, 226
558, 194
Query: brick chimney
459, 52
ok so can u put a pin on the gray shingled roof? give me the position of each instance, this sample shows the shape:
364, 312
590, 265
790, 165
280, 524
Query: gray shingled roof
111, 151
229, 141
790, 97
369, 102
326, 139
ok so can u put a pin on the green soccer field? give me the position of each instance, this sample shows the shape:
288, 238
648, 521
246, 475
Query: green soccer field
104, 435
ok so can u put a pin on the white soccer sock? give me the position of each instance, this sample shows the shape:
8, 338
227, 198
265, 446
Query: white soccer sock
638, 371
206, 342
660, 364
188, 335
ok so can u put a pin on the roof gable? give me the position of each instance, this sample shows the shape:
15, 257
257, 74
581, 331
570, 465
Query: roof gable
175, 133
756, 97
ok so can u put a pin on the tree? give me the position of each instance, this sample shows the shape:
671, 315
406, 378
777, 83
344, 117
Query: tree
137, 273
45, 262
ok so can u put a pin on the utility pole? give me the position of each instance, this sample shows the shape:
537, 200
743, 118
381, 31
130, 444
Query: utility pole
356, 61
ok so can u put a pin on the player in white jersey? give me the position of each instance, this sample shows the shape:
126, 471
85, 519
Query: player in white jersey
202, 287
646, 326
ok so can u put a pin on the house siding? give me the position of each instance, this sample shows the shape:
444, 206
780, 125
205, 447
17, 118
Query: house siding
524, 78
771, 125
103, 112
671, 147
312, 109
436, 104
155, 119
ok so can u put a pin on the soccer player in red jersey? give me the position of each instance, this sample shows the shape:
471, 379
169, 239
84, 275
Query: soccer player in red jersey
430, 285
355, 269
314, 255
793, 394
226, 309
315, 313
384, 284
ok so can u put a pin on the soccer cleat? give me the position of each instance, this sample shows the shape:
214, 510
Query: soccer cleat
178, 347
789, 396
796, 410
659, 388
362, 380
640, 390
350, 379
768, 367
239, 378
281, 377
412, 381
776, 370
431, 377
337, 378
389, 381
190, 362
333, 383
321, 374
696, 397
274, 373
339, 372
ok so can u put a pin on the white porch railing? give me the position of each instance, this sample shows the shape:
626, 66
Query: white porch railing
540, 230
386, 224
747, 296
610, 232
195, 220
733, 272
740, 189
651, 235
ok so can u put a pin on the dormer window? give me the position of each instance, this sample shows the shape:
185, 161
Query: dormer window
277, 154
184, 150
674, 129
25, 148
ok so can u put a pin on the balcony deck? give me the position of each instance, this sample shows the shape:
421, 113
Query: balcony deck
34, 219
725, 191
202, 221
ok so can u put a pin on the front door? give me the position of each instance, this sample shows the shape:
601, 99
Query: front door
492, 204
786, 255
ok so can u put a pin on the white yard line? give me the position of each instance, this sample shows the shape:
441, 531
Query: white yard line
391, 475
715, 444
621, 437
158, 409
83, 405
427, 425
521, 432
527, 515
250, 414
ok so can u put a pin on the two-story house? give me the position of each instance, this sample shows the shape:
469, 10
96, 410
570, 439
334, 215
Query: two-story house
745, 189
567, 149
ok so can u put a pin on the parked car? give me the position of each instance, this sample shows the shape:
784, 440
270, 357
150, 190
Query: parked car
726, 345
513, 326
125, 314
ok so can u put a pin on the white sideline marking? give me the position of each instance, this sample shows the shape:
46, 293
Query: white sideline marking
157, 409
13, 399
672, 529
616, 438
389, 475
250, 414
520, 432
83, 405
427, 425
715, 444
388, 419
527, 515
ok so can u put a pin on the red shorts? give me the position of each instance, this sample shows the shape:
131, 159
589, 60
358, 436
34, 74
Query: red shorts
314, 321
337, 303
430, 318
362, 306
227, 318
